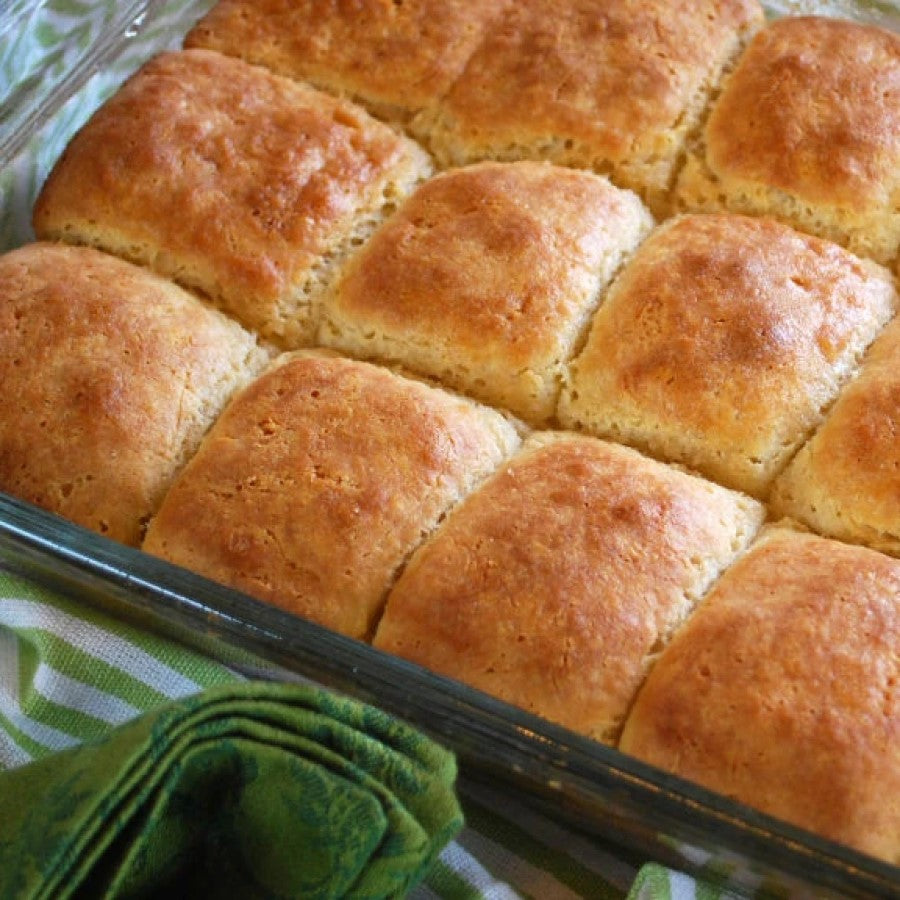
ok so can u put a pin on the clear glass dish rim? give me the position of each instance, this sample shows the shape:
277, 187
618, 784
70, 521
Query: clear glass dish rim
488, 735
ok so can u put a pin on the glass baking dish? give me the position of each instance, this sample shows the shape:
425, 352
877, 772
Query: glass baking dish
640, 808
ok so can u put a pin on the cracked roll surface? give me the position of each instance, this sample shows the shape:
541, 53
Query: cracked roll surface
110, 376
553, 585
319, 480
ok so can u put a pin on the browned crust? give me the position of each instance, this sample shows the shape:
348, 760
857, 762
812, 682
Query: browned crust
595, 83
397, 58
722, 342
554, 583
319, 479
846, 481
223, 176
781, 691
813, 109
486, 276
110, 378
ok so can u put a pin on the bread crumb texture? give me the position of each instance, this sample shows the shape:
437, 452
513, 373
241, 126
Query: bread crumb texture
807, 129
781, 690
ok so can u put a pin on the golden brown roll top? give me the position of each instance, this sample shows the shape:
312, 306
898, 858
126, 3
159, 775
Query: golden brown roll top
807, 129
319, 480
396, 59
846, 481
485, 279
247, 186
598, 84
781, 690
721, 343
553, 585
110, 377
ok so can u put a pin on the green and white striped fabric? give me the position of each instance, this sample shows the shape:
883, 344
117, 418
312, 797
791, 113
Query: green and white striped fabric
69, 673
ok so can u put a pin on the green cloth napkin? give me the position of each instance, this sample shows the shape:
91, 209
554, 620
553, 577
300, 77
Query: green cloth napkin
248, 790
69, 674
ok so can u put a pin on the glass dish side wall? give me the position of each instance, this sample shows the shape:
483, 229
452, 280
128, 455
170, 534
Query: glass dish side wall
591, 785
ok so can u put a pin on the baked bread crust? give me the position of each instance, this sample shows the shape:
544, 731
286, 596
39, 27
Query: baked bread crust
592, 83
780, 691
396, 59
485, 279
229, 179
110, 377
807, 129
319, 480
846, 481
554, 585
721, 343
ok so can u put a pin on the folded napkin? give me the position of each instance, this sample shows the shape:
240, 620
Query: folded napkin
247, 790
70, 674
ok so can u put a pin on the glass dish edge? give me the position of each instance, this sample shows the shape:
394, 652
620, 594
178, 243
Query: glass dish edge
589, 784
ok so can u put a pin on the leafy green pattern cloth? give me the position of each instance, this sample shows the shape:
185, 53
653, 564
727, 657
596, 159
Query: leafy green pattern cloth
113, 781
247, 789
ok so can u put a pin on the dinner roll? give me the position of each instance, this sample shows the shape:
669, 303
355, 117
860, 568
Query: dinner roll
723, 341
781, 690
556, 583
395, 58
846, 481
319, 480
486, 277
110, 377
807, 129
599, 84
232, 180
